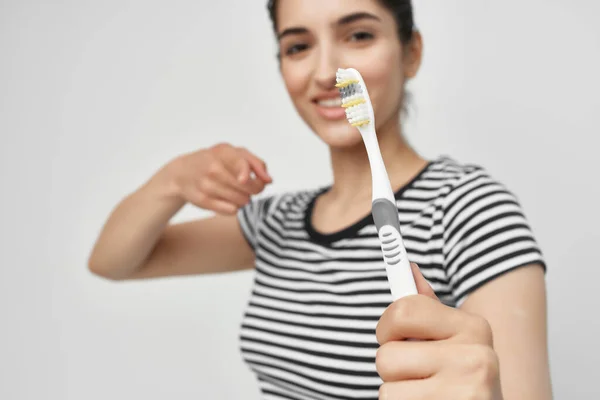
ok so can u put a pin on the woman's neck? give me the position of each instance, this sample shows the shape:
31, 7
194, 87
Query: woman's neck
352, 172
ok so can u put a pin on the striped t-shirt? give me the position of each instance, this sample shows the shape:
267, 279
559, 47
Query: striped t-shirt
309, 329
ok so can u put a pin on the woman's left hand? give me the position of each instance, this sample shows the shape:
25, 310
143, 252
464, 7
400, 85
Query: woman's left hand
452, 358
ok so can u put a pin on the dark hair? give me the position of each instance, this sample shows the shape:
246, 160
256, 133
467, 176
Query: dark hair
401, 9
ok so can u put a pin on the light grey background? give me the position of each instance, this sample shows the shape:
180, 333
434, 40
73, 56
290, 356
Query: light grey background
96, 95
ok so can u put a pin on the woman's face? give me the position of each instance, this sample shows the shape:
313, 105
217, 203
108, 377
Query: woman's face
316, 37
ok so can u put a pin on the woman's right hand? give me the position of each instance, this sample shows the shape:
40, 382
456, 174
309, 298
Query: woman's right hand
221, 178
137, 241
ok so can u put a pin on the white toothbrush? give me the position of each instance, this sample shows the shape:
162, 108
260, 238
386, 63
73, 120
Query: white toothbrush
359, 112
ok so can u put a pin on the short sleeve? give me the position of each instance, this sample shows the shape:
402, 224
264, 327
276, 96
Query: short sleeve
250, 217
486, 234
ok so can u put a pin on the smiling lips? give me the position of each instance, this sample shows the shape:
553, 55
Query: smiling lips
330, 107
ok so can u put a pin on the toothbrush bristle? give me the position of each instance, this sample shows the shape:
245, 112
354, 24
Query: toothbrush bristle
353, 98
345, 83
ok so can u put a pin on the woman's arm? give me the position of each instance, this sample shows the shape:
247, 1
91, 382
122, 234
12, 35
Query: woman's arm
138, 242
492, 348
514, 304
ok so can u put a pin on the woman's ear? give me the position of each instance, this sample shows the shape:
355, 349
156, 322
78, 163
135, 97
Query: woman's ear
413, 55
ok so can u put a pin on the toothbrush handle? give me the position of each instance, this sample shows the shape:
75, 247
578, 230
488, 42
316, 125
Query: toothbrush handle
399, 272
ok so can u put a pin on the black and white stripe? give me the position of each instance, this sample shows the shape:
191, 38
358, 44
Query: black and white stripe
309, 329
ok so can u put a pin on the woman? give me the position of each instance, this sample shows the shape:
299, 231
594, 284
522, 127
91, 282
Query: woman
320, 323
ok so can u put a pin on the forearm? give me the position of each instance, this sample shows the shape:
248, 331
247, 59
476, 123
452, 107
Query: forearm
133, 229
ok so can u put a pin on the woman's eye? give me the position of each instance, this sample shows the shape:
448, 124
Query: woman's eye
295, 49
359, 36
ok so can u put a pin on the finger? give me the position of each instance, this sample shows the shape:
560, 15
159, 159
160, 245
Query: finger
218, 171
239, 168
258, 166
418, 317
423, 389
221, 191
236, 162
459, 370
205, 202
232, 177
398, 361
243, 171
245, 180
254, 186
248, 170
423, 287
221, 207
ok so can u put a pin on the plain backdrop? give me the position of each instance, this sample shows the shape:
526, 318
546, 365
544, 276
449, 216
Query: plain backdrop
96, 95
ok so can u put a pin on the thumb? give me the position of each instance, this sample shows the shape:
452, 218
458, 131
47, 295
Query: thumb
423, 287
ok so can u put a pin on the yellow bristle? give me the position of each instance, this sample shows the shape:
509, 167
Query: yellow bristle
362, 123
353, 103
346, 83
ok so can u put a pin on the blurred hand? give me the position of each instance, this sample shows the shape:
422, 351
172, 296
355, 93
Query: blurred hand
221, 178
451, 359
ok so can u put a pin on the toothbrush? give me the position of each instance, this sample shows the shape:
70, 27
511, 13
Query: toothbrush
359, 112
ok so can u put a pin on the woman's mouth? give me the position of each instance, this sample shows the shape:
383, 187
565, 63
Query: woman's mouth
335, 102
330, 108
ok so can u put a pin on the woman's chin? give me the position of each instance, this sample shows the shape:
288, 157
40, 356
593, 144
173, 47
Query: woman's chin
340, 135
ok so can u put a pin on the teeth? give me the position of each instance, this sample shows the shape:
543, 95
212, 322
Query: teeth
337, 102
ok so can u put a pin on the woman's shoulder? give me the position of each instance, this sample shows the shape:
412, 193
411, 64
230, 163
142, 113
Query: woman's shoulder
452, 171
457, 179
485, 230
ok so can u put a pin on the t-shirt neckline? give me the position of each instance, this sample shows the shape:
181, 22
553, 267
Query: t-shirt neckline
354, 228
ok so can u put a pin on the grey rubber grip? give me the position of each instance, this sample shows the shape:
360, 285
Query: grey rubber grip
399, 272
385, 213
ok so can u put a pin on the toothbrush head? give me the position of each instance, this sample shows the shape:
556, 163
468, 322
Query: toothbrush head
355, 98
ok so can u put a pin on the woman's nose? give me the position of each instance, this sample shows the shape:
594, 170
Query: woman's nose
326, 67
